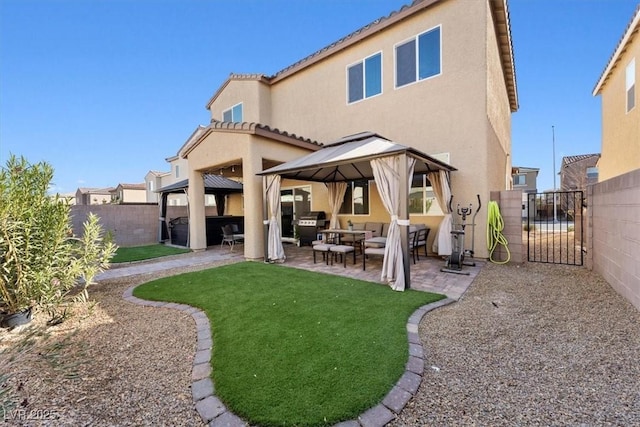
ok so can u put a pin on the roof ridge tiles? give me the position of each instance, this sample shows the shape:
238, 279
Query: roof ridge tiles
345, 38
252, 126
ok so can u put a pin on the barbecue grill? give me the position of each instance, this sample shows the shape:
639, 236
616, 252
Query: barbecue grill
309, 225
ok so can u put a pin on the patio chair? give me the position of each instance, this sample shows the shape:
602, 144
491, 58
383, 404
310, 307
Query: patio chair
229, 237
421, 242
370, 251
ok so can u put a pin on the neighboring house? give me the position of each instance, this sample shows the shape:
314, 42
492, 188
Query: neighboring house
179, 168
153, 181
576, 171
93, 196
129, 193
525, 179
618, 88
436, 75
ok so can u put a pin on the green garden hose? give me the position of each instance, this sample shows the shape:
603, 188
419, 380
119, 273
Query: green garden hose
494, 233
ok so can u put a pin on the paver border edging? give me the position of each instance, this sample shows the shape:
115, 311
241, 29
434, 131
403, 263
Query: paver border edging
216, 414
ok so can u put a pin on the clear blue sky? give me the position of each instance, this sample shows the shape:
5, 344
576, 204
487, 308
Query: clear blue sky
105, 90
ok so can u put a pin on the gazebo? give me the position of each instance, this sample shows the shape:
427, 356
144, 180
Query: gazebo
362, 156
216, 185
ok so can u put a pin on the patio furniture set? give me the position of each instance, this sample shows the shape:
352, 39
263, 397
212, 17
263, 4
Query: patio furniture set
368, 238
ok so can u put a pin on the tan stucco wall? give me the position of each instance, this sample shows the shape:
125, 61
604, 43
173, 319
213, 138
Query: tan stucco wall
254, 95
456, 121
134, 196
620, 130
250, 151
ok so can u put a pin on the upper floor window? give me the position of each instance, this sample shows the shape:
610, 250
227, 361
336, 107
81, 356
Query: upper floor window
418, 58
519, 180
364, 78
356, 198
177, 171
630, 85
233, 114
150, 185
422, 200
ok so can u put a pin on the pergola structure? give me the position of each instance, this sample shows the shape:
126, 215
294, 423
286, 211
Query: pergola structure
361, 156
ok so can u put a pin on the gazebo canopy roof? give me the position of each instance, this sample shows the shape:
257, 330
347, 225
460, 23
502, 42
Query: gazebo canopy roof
349, 158
212, 184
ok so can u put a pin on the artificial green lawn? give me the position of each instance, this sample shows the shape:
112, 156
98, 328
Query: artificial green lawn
293, 347
139, 253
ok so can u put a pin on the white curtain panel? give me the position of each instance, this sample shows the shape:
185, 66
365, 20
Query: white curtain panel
275, 249
385, 172
442, 190
336, 197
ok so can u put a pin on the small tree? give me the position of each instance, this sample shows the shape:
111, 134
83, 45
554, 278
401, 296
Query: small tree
41, 261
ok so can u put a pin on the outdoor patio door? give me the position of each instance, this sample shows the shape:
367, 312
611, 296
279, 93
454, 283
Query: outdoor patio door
295, 202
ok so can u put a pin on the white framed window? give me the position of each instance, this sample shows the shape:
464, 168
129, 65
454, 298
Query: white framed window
233, 114
177, 171
422, 199
356, 198
630, 84
364, 78
419, 58
520, 179
150, 185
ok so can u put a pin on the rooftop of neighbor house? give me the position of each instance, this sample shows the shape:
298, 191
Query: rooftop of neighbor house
141, 186
521, 169
93, 190
567, 160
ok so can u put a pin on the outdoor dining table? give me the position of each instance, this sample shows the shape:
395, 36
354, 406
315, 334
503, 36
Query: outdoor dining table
339, 232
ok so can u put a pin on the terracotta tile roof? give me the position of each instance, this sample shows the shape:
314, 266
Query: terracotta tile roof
133, 186
248, 128
567, 160
95, 190
632, 29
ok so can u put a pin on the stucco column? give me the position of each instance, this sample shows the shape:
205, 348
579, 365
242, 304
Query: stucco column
253, 206
197, 222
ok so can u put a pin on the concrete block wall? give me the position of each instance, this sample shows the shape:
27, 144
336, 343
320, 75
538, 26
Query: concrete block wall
613, 237
130, 224
510, 204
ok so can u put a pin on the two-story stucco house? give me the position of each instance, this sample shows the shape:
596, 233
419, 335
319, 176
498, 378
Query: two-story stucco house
129, 193
436, 75
620, 110
526, 180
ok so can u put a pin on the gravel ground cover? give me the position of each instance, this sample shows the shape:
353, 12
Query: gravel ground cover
112, 364
537, 344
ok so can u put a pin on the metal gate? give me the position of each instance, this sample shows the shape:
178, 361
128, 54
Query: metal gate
554, 227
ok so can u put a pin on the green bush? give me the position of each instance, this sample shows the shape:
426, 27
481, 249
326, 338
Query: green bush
41, 261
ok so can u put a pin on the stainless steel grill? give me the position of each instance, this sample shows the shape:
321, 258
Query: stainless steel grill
309, 224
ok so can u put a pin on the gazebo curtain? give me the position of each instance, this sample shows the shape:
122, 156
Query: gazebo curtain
275, 249
385, 172
336, 197
442, 190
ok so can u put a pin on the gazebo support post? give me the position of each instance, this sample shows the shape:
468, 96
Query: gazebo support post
265, 218
403, 215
